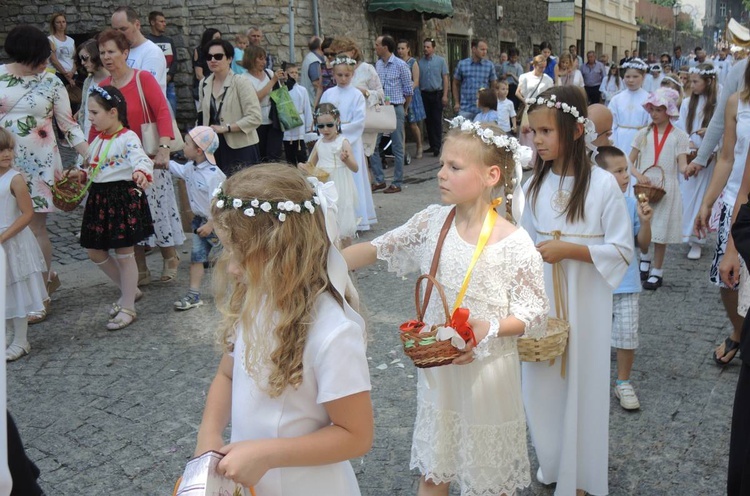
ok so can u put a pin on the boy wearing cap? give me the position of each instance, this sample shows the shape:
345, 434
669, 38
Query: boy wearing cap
202, 177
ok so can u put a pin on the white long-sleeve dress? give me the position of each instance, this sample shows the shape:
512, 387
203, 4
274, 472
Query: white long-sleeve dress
628, 117
569, 417
470, 425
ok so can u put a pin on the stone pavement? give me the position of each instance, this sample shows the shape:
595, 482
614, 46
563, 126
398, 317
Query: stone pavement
117, 413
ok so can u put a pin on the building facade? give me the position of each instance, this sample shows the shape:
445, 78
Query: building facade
610, 28
718, 13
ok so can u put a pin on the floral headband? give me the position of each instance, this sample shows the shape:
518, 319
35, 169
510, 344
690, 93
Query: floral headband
104, 93
334, 112
255, 206
705, 72
588, 125
635, 64
344, 60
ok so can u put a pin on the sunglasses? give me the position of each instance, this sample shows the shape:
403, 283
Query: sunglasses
215, 56
327, 124
329, 54
84, 58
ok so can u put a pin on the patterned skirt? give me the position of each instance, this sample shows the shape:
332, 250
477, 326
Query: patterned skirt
416, 108
116, 216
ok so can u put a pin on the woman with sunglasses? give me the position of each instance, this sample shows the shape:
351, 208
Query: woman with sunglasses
228, 103
88, 58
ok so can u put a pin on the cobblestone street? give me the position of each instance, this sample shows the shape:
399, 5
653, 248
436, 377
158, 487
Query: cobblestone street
117, 412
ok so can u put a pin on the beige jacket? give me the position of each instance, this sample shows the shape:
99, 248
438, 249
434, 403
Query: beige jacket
240, 109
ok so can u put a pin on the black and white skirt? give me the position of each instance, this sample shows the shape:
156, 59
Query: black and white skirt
116, 216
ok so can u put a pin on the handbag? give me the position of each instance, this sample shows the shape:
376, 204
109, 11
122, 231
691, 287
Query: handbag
150, 131
201, 479
273, 113
522, 107
380, 119
286, 111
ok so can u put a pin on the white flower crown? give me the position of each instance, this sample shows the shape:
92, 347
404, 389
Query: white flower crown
256, 206
705, 72
588, 124
344, 60
521, 154
635, 64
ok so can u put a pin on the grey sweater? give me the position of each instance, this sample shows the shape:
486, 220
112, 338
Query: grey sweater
733, 84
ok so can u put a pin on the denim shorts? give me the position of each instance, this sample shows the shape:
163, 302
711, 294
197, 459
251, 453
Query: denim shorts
202, 246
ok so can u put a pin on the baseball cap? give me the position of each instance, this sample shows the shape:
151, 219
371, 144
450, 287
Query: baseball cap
207, 140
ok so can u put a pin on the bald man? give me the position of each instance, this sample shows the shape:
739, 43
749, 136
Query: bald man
601, 116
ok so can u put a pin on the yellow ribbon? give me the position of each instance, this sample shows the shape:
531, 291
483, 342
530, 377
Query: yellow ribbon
484, 236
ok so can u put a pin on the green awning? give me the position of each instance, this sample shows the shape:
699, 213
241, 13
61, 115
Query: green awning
430, 8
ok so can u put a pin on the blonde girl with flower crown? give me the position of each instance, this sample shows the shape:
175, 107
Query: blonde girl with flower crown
293, 379
577, 216
470, 428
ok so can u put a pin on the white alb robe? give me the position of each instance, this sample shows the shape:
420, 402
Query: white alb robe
569, 417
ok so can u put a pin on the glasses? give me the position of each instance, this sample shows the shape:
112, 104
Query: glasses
329, 54
84, 58
327, 124
215, 56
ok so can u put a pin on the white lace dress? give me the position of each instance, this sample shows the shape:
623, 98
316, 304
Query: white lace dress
470, 425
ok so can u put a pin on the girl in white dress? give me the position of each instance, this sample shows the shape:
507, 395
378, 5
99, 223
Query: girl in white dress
695, 114
333, 154
666, 146
25, 290
611, 85
351, 105
577, 216
470, 426
294, 377
628, 115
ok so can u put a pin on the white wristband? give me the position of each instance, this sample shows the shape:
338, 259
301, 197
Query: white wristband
482, 349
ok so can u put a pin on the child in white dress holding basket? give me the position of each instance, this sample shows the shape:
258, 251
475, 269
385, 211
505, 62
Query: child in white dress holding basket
25, 290
578, 218
333, 155
659, 156
470, 427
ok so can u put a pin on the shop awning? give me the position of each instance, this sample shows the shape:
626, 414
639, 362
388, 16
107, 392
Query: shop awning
430, 8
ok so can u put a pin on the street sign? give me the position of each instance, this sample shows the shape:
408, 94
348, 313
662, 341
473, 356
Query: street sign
561, 11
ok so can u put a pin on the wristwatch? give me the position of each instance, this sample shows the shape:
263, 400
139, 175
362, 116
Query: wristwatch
164, 146
367, 93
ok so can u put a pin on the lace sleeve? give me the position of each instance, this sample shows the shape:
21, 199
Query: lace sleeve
403, 248
528, 299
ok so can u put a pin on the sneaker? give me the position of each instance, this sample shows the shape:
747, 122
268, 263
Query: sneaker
695, 252
188, 301
626, 394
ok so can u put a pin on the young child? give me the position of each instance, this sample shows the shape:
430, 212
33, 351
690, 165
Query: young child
470, 427
669, 81
117, 215
628, 116
294, 378
506, 112
487, 103
25, 290
695, 114
333, 154
625, 297
664, 145
241, 41
202, 177
577, 216
295, 147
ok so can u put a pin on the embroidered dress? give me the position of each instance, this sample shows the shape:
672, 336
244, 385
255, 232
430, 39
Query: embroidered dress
329, 160
25, 290
351, 105
666, 225
334, 365
470, 425
569, 417
28, 105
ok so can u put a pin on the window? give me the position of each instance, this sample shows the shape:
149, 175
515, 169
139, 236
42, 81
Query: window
722, 10
598, 48
615, 59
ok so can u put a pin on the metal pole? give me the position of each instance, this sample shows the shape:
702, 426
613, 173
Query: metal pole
316, 23
583, 27
291, 31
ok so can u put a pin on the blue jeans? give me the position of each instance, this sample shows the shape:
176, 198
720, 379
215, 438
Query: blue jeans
202, 246
398, 152
172, 97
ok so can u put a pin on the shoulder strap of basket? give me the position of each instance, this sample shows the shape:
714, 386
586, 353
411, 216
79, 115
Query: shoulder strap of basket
436, 257
560, 290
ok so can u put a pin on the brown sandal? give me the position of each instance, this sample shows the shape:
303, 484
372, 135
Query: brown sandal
168, 274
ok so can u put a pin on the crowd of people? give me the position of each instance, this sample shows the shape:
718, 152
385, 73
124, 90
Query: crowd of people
267, 200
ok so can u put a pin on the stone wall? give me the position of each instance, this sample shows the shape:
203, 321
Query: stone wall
660, 40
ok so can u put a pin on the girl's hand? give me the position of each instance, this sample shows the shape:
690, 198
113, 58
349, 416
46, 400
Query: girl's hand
73, 174
644, 211
553, 250
480, 328
692, 170
700, 227
244, 462
140, 179
642, 178
700, 132
344, 155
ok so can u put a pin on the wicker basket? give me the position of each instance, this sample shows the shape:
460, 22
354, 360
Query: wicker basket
653, 193
315, 172
68, 193
547, 347
423, 347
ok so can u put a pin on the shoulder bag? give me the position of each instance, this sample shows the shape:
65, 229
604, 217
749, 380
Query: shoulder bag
380, 118
523, 108
149, 129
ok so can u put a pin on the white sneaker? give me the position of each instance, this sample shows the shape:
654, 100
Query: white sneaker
695, 252
626, 394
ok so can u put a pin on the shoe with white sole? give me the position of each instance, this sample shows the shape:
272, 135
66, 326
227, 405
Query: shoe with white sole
695, 252
626, 394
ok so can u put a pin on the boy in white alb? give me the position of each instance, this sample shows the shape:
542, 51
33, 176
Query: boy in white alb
506, 112
295, 148
202, 177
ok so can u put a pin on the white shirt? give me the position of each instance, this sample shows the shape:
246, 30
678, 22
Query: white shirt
201, 181
505, 111
265, 102
302, 103
148, 57
65, 51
